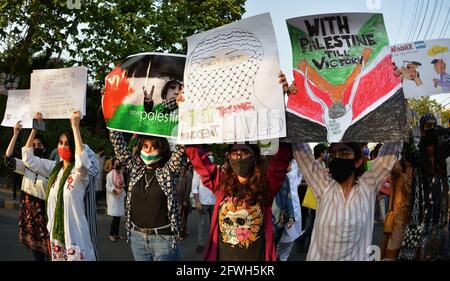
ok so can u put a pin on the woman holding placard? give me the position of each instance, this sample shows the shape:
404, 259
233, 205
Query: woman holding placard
70, 195
241, 226
152, 216
32, 218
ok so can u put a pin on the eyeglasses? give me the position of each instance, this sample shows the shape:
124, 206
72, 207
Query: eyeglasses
243, 154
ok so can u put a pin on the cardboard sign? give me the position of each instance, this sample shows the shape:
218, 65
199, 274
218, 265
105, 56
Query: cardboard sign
140, 94
346, 88
231, 85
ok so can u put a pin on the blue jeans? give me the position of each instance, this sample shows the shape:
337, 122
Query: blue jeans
151, 247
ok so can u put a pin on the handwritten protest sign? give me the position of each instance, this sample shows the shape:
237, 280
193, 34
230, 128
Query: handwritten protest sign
231, 85
422, 67
346, 88
18, 109
56, 93
140, 94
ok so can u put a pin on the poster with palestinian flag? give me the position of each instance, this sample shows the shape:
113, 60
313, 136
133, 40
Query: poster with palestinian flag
140, 94
346, 86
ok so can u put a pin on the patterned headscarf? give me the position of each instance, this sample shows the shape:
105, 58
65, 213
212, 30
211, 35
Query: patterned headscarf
426, 117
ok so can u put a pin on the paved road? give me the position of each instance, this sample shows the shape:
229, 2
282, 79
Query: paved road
11, 250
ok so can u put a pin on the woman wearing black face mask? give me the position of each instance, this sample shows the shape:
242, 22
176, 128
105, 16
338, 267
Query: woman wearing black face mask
430, 197
345, 210
241, 225
32, 218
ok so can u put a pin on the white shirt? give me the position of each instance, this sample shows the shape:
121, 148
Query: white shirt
33, 183
78, 245
116, 204
343, 228
295, 178
101, 161
206, 196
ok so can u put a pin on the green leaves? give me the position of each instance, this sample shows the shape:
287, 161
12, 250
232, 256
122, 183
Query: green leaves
104, 32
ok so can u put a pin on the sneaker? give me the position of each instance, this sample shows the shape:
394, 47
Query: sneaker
199, 249
112, 238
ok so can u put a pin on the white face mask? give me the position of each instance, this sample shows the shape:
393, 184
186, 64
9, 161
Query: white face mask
150, 158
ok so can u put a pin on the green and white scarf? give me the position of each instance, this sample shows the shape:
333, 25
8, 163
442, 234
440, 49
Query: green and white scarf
58, 221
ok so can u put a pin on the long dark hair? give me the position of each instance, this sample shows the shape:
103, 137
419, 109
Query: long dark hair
158, 143
71, 140
256, 189
357, 150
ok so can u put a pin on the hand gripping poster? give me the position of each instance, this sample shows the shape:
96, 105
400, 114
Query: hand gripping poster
140, 94
231, 89
422, 67
346, 87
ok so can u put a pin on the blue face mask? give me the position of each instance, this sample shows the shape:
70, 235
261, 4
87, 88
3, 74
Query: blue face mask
211, 158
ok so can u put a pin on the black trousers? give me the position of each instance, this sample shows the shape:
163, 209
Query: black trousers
115, 226
39, 256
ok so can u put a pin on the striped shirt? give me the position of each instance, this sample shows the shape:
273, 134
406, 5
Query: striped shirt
343, 228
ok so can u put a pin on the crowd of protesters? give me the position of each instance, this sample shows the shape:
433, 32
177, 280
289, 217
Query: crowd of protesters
250, 205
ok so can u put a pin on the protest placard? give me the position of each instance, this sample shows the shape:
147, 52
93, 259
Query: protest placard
231, 85
422, 67
56, 93
346, 87
140, 94
18, 109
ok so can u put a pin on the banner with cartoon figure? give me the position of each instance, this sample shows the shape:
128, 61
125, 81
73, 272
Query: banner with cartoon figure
232, 91
346, 87
422, 67
140, 94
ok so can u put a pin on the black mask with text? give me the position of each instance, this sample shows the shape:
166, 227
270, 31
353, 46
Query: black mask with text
341, 169
243, 167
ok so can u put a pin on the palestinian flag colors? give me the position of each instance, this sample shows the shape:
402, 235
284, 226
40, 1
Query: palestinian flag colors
342, 69
140, 94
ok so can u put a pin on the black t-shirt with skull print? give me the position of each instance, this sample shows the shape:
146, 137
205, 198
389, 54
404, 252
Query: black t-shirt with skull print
241, 231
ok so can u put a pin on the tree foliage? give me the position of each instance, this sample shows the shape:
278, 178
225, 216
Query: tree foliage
48, 34
425, 104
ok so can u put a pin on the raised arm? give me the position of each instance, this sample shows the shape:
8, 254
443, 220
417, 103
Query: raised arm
382, 165
208, 172
177, 161
311, 170
75, 122
38, 165
13, 164
121, 150
277, 168
16, 131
